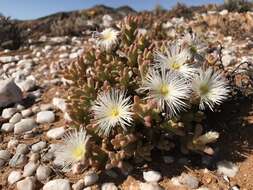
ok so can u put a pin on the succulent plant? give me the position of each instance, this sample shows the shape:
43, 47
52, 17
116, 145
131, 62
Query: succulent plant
133, 121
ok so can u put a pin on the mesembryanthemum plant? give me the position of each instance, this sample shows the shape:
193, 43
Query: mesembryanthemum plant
135, 94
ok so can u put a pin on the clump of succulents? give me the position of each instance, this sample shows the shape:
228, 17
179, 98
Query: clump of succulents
133, 93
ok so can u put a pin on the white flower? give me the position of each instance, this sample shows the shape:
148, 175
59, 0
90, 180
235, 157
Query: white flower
210, 87
167, 89
208, 137
107, 38
112, 109
194, 43
175, 60
74, 148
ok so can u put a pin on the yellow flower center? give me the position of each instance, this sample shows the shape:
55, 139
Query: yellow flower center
164, 90
175, 65
79, 152
115, 112
204, 89
107, 36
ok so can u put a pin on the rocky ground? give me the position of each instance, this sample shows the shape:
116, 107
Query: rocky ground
33, 119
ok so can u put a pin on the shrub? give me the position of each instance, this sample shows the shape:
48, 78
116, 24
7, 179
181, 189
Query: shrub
10, 34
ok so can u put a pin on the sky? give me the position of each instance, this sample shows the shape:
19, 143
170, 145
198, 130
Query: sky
31, 9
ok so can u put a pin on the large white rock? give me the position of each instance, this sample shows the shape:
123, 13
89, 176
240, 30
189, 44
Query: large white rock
9, 92
56, 133
57, 184
24, 125
45, 117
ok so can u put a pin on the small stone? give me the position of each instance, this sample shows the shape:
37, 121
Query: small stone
20, 107
39, 146
29, 169
49, 156
59, 184
78, 185
223, 12
14, 176
43, 173
34, 157
87, 188
8, 59
234, 188
45, 117
60, 104
26, 112
107, 20
189, 181
109, 186
35, 109
150, 186
26, 184
56, 133
12, 143
22, 149
77, 168
90, 179
7, 127
5, 155
152, 176
8, 113
227, 168
73, 55
24, 125
18, 160
228, 60
15, 118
